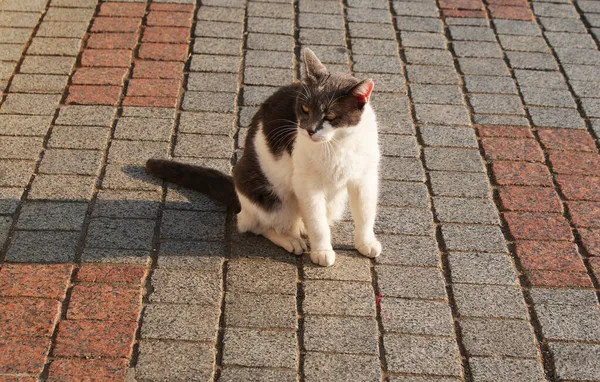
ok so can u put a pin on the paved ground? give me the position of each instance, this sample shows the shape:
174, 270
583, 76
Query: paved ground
490, 203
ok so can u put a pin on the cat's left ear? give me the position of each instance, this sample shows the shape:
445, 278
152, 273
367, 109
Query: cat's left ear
362, 91
313, 67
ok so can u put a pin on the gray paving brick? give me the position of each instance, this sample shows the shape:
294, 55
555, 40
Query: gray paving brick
403, 194
468, 21
554, 10
231, 374
260, 311
218, 29
474, 238
62, 187
422, 355
417, 317
327, 54
10, 52
570, 40
545, 296
511, 369
419, 24
581, 72
315, 6
78, 137
15, 173
42, 46
179, 198
47, 64
385, 82
167, 360
248, 347
483, 66
225, 3
463, 210
136, 152
470, 33
267, 59
376, 64
252, 276
449, 159
557, 98
576, 360
316, 37
389, 102
271, 10
349, 266
121, 256
219, 82
338, 298
477, 49
527, 60
398, 145
33, 83
341, 334
448, 136
75, 3
147, 112
410, 282
517, 27
431, 74
496, 104
181, 286
81, 162
482, 268
85, 115
323, 21
463, 184
391, 122
62, 29
259, 41
9, 200
562, 25
201, 255
14, 36
30, 6
408, 221
495, 85
208, 45
49, 215
428, 57
209, 146
6, 69
408, 250
569, 322
21, 147
369, 15
367, 30
18, 19
69, 14
485, 337
120, 233
524, 43
220, 14
36, 104
415, 9
341, 367
489, 301
442, 114
150, 129
204, 101
591, 107
5, 224
410, 378
127, 204
423, 40
206, 123
505, 120
563, 118
436, 94
268, 76
578, 56
192, 225
180, 322
209, 63
42, 247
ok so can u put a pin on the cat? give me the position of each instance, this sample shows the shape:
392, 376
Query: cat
311, 146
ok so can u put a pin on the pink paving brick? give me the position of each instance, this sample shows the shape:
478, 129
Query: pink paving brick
521, 173
585, 214
115, 24
169, 19
590, 238
27, 317
567, 139
575, 163
549, 255
540, 199
512, 149
93, 95
166, 35
99, 76
105, 302
123, 9
94, 339
106, 57
559, 279
538, 226
163, 52
505, 131
510, 12
72, 369
23, 355
111, 274
35, 280
112, 41
150, 101
157, 69
577, 187
153, 88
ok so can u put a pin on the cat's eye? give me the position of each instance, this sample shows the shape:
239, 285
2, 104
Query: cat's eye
305, 108
330, 116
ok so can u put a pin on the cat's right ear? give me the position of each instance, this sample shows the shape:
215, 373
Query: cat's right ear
313, 68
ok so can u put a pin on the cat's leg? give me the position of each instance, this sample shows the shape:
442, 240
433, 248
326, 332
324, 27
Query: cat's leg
313, 208
291, 244
363, 204
336, 206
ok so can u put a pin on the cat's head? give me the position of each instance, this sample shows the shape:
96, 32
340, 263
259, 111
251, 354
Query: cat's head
329, 104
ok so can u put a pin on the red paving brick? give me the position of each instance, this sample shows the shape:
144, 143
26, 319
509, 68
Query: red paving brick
585, 214
512, 149
538, 226
34, 280
521, 173
122, 9
93, 95
115, 24
23, 355
166, 35
104, 302
110, 274
94, 339
590, 239
163, 52
171, 7
510, 12
157, 69
541, 199
153, 88
112, 41
27, 317
505, 131
549, 255
88, 369
575, 163
565, 139
106, 57
461, 4
463, 13
559, 279
99, 76
169, 19
521, 3
7, 378
576, 187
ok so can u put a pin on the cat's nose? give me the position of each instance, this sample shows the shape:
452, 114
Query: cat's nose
311, 133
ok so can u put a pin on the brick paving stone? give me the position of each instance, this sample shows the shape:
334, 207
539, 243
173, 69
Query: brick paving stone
403, 194
496, 104
525, 369
496, 85
136, 152
119, 233
439, 94
485, 337
31, 83
574, 162
448, 136
403, 221
450, 159
27, 317
97, 301
557, 98
559, 297
85, 115
126, 204
410, 282
192, 225
23, 356
10, 52
9, 199
348, 267
48, 215
462, 210
212, 102
20, 148
431, 74
150, 129
42, 246
441, 114
409, 250
521, 173
489, 301
427, 56
416, 317
15, 173
474, 238
183, 199
203, 256
337, 297
341, 334
341, 367
512, 149
30, 280
259, 348
112, 340
483, 66
445, 183
523, 43
78, 137
175, 359
482, 268
527, 60
538, 199
576, 360
233, 374
61, 369
180, 322
250, 276
422, 355
185, 286
260, 311
163, 52
35, 104
537, 226
70, 162
569, 322
398, 145
54, 46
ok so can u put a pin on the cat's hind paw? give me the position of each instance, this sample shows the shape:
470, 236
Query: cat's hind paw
371, 249
295, 245
324, 257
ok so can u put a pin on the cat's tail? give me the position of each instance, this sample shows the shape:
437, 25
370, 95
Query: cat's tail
210, 182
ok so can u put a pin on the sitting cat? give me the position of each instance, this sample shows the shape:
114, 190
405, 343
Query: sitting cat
310, 147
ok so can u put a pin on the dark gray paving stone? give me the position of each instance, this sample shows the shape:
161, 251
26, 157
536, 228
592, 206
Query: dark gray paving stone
180, 322
385, 82
220, 14
9, 200
549, 117
512, 369
268, 76
247, 347
576, 360
427, 56
398, 145
35, 104
270, 42
496, 104
249, 245
417, 317
217, 82
323, 21
570, 40
349, 266
81, 162
210, 63
5, 224
474, 238
231, 374
275, 26
526, 60
193, 225
431, 74
347, 335
542, 97
442, 114
539, 79
377, 64
339, 298
419, 24
485, 337
477, 49
120, 256
166, 360
204, 101
482, 268
578, 56
450, 159
569, 322
410, 221
120, 233
581, 72
42, 247
310, 37
410, 282
49, 215
408, 250
446, 136
62, 187
445, 183
206, 123
127, 204
341, 367
15, 173
422, 355
260, 311
403, 194
208, 45
505, 120
393, 123
415, 9
200, 255
252, 276
483, 66
517, 27
372, 47
436, 94
489, 301
119, 177
464, 210
546, 296
180, 286
562, 25
268, 59
383, 102
218, 29
368, 30
524, 43
179, 198
467, 21
470, 33
423, 40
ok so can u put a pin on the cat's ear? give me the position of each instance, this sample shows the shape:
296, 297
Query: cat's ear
313, 68
362, 91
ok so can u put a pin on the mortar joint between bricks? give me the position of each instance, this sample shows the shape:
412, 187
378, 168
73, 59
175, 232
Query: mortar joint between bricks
436, 226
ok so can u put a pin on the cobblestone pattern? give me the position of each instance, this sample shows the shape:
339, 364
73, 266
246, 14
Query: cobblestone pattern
488, 209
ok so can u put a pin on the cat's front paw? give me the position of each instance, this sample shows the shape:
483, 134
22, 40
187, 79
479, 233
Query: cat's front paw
324, 257
370, 249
